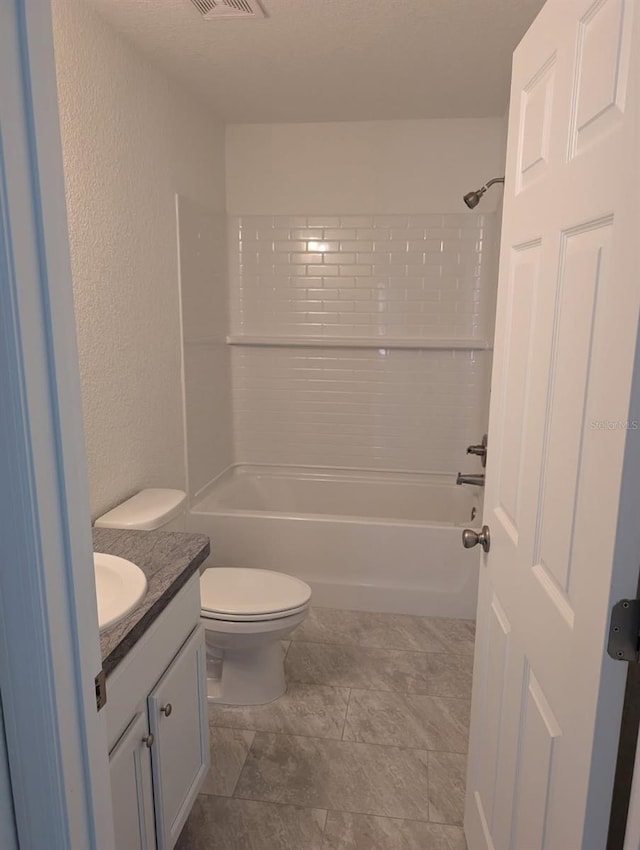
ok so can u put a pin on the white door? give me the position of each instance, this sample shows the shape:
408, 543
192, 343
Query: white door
563, 484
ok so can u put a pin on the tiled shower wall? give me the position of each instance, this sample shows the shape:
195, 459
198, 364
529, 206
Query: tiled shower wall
388, 278
395, 275
366, 408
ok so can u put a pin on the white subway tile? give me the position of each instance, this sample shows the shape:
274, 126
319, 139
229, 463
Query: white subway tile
395, 245
365, 258
414, 257
336, 259
356, 221
289, 220
356, 270
340, 234
306, 258
306, 233
290, 245
389, 269
359, 245
323, 271
322, 246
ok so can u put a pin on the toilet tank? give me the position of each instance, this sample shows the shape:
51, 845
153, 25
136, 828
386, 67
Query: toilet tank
149, 510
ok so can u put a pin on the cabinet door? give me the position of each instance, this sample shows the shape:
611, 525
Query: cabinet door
131, 788
180, 754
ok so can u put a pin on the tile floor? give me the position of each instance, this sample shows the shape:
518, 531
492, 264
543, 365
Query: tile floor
366, 750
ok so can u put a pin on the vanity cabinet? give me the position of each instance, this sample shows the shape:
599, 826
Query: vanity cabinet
158, 725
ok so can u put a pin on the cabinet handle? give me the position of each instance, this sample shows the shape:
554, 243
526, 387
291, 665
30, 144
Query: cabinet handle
148, 740
167, 709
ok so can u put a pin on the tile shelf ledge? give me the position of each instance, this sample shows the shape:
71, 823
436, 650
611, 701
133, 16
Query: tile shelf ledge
435, 343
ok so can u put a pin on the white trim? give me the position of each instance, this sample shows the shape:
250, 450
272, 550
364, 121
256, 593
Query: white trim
424, 344
49, 649
183, 369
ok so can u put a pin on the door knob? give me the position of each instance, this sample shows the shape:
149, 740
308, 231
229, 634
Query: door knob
148, 740
167, 709
471, 538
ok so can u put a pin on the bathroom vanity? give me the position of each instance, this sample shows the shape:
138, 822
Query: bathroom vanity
156, 708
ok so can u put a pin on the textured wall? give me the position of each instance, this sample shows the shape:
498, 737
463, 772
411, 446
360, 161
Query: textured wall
132, 139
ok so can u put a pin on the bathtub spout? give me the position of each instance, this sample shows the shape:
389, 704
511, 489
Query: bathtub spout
478, 480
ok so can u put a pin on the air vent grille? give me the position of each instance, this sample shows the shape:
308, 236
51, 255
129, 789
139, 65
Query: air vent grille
212, 10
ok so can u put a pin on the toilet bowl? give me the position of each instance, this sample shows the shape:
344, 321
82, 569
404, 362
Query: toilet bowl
246, 613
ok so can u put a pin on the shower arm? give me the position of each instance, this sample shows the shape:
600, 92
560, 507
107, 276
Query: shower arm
494, 180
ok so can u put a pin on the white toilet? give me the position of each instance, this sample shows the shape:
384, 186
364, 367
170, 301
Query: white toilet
245, 612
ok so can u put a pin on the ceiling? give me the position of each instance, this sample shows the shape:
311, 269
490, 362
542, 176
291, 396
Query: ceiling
336, 60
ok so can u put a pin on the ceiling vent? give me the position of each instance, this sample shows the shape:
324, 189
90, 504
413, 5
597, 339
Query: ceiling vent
214, 10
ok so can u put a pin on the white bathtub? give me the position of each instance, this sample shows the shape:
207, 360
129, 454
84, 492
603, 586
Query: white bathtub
373, 541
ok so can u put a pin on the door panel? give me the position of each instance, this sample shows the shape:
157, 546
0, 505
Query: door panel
517, 356
546, 696
131, 789
181, 748
538, 732
582, 267
495, 678
537, 103
601, 72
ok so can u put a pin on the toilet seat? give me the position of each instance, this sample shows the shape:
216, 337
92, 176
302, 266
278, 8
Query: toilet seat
250, 618
238, 594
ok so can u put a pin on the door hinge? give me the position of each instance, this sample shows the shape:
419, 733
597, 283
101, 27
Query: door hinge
101, 690
624, 631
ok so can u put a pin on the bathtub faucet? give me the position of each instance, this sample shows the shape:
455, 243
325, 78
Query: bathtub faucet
478, 480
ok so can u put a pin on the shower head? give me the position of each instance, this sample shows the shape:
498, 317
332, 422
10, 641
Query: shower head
472, 199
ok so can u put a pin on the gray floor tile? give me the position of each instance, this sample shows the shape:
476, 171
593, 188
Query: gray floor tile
346, 831
218, 823
448, 675
408, 720
316, 710
337, 775
229, 748
447, 775
387, 631
358, 667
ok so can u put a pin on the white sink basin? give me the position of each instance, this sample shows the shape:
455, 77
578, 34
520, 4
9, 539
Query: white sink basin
120, 586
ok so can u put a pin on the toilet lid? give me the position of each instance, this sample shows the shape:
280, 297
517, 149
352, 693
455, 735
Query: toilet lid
241, 592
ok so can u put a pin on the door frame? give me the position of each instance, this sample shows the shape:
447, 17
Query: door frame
56, 739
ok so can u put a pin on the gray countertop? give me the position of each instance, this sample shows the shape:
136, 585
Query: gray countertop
168, 559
